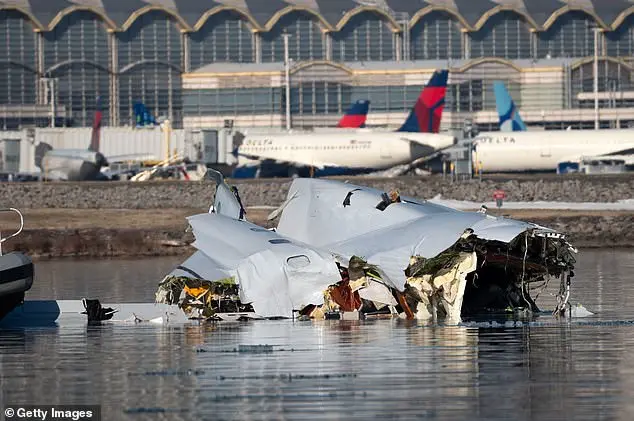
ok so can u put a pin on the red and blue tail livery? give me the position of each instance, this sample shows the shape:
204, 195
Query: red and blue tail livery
355, 116
427, 112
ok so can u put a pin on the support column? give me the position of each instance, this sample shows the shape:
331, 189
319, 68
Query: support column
466, 45
40, 91
257, 46
114, 78
398, 46
186, 52
328, 42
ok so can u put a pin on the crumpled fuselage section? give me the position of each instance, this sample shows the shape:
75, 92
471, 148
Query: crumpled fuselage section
346, 251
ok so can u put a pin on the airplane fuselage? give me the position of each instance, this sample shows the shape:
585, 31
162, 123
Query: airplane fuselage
544, 150
351, 150
72, 165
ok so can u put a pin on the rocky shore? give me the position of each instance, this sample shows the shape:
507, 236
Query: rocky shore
272, 192
148, 219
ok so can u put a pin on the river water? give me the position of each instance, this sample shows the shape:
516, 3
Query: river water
582, 369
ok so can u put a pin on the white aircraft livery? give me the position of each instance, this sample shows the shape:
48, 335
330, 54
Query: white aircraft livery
353, 151
549, 149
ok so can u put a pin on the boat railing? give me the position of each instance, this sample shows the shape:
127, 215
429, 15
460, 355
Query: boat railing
3, 239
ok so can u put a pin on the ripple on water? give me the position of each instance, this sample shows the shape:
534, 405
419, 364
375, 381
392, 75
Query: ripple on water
528, 370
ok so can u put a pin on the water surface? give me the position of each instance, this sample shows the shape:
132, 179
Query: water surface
385, 369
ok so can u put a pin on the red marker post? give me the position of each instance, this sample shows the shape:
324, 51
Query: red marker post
499, 196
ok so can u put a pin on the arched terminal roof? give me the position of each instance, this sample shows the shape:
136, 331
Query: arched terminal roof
334, 14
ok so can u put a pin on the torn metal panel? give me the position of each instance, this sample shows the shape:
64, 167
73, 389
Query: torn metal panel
201, 266
322, 212
227, 200
275, 275
344, 249
386, 231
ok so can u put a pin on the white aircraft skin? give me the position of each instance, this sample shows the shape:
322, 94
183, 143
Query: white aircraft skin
544, 150
359, 149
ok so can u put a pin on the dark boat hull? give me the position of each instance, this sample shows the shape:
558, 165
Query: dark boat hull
16, 277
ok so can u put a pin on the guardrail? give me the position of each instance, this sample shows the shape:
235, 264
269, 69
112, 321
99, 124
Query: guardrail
2, 240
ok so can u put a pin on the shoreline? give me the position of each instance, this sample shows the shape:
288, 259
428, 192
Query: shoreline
116, 233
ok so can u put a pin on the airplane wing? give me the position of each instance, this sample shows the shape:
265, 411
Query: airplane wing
626, 156
131, 157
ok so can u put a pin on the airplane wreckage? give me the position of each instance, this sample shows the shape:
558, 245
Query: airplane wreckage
342, 251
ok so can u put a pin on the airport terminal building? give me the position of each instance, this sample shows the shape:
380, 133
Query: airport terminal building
200, 63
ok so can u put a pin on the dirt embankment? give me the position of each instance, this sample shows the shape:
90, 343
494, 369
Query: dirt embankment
51, 233
149, 219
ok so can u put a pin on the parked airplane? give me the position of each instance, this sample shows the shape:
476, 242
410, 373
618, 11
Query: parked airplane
510, 120
551, 150
547, 150
77, 164
352, 152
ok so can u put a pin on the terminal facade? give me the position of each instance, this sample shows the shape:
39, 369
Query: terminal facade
199, 63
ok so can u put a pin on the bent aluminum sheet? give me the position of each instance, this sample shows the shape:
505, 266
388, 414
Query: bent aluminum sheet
225, 202
276, 275
317, 215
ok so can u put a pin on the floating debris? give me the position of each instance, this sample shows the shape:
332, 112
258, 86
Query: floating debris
348, 252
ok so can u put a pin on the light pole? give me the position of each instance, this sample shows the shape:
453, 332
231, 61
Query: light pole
596, 76
49, 83
287, 81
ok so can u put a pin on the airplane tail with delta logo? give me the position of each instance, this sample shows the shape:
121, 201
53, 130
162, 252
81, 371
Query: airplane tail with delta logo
426, 114
510, 120
355, 116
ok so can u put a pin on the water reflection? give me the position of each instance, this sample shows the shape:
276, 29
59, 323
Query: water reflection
332, 369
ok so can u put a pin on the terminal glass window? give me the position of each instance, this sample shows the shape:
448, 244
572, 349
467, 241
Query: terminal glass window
225, 37
570, 36
306, 39
436, 36
150, 68
505, 34
18, 78
76, 53
620, 43
365, 37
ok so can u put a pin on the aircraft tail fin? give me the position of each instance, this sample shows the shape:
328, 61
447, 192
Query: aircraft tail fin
356, 115
510, 120
40, 150
96, 128
426, 114
142, 116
